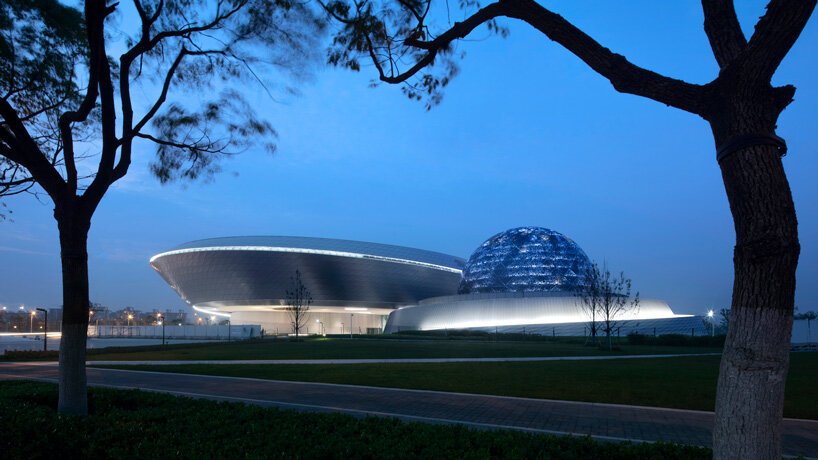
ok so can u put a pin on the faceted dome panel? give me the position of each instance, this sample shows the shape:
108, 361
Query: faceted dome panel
525, 259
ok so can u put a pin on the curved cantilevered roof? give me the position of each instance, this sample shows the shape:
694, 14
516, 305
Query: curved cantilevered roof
327, 246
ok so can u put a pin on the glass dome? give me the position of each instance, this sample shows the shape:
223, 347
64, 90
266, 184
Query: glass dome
525, 259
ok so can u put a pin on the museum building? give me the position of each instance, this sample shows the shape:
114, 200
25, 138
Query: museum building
520, 280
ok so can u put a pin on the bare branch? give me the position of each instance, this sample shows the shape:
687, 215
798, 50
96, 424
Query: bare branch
94, 18
187, 31
24, 150
459, 30
93, 195
206, 147
163, 94
723, 30
625, 76
775, 34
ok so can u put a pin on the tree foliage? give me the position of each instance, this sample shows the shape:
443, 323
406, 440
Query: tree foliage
68, 80
80, 89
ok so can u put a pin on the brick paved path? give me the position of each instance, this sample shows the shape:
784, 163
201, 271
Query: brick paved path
598, 420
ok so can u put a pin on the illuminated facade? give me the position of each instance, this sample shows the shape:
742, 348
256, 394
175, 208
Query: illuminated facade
525, 259
351, 282
520, 280
524, 280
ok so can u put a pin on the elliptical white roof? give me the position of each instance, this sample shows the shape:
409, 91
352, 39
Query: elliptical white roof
326, 244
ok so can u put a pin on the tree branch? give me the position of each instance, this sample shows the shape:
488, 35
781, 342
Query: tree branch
187, 31
163, 94
24, 150
723, 30
93, 195
192, 147
775, 34
94, 18
625, 76
459, 30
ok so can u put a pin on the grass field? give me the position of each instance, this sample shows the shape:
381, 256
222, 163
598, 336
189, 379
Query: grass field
134, 424
684, 382
340, 348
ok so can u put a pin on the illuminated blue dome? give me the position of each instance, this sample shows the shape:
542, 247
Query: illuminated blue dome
525, 259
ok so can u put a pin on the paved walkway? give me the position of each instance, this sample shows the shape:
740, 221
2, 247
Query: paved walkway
602, 421
396, 360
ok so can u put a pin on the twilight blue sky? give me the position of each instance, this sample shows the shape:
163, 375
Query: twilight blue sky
526, 135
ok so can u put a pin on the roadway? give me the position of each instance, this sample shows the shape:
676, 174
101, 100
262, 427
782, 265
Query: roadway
602, 421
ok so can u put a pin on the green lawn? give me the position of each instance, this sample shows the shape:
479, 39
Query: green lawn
340, 348
134, 424
685, 382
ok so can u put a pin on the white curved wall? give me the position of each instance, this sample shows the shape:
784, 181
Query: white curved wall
492, 310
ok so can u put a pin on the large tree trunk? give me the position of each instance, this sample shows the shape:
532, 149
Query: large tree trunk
750, 395
73, 393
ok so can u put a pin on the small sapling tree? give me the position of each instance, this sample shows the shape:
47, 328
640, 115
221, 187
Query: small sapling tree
589, 299
298, 300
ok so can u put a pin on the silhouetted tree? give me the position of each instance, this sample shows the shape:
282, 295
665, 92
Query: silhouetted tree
605, 299
299, 300
590, 298
809, 317
65, 98
741, 106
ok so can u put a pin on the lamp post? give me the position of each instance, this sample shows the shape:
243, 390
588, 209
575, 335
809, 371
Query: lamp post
31, 321
350, 324
161, 323
45, 329
320, 327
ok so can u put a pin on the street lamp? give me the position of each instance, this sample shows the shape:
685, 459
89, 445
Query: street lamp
161, 323
31, 322
130, 317
320, 327
45, 330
